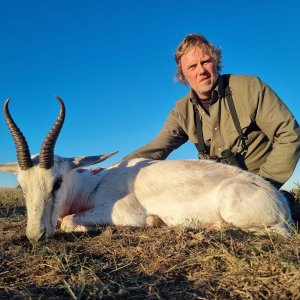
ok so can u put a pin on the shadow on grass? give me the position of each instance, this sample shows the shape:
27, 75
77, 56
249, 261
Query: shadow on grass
7, 212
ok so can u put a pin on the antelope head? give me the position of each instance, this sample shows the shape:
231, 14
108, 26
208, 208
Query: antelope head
41, 177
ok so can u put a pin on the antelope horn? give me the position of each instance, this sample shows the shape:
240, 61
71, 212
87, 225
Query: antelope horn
47, 149
23, 154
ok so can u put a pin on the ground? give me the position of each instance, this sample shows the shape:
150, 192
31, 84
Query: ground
138, 263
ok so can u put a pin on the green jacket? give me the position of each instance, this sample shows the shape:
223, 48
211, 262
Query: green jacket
273, 142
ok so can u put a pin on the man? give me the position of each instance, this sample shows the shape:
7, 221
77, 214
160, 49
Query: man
236, 113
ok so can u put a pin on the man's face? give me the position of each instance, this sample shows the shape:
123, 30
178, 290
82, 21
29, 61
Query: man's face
200, 71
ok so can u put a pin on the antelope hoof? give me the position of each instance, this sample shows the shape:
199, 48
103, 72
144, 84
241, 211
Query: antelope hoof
68, 225
154, 221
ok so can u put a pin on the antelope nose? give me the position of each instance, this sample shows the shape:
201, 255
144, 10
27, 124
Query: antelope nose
35, 240
34, 234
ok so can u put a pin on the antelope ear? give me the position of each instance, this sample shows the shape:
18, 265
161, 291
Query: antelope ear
11, 168
83, 161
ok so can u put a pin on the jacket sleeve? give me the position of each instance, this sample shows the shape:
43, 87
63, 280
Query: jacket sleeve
282, 129
169, 138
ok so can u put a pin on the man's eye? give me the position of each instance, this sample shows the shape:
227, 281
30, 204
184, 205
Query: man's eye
191, 67
57, 185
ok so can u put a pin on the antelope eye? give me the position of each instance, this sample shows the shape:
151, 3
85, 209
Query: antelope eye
57, 184
20, 189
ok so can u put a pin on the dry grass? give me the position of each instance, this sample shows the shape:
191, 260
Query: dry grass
154, 263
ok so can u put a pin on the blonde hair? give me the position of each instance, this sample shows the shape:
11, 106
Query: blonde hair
195, 40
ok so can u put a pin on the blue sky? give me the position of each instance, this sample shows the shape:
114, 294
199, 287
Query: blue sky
112, 63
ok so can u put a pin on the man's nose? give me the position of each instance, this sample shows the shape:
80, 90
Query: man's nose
200, 69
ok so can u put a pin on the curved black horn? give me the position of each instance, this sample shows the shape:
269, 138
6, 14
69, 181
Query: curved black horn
47, 149
23, 154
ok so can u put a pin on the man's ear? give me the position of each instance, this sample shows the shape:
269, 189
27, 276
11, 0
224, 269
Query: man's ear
11, 168
83, 161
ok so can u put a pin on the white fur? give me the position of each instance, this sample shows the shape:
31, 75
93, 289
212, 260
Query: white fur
188, 193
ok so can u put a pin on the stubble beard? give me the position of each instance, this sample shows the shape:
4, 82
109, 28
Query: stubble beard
204, 91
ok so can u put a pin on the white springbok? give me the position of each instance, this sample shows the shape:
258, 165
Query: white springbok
139, 192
